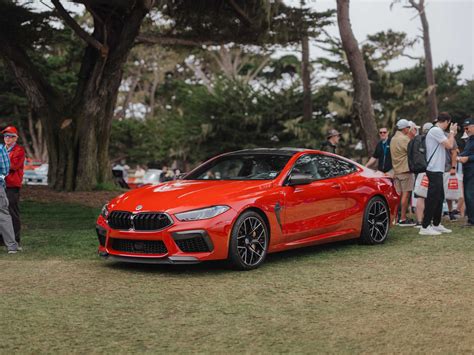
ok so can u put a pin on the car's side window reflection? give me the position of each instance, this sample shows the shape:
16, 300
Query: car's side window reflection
322, 166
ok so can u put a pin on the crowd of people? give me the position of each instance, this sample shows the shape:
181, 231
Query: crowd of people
141, 175
448, 177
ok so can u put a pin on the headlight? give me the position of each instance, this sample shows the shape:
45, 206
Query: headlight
105, 211
203, 213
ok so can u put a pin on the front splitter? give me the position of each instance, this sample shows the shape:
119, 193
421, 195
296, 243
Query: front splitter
174, 260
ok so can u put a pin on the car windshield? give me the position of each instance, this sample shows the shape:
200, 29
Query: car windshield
241, 167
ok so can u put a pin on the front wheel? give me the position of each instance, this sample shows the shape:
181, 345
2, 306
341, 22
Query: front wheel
376, 222
248, 242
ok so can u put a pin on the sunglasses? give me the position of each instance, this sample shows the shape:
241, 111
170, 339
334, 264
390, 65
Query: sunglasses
382, 132
9, 135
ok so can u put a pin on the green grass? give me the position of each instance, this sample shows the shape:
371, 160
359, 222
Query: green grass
411, 295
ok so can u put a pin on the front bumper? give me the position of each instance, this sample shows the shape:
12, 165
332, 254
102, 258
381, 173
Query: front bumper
180, 243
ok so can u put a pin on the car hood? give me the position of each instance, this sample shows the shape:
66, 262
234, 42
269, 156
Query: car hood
183, 195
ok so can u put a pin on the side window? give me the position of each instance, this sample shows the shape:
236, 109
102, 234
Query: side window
329, 167
322, 167
307, 165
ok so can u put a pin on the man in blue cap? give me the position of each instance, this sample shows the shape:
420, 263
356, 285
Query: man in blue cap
467, 159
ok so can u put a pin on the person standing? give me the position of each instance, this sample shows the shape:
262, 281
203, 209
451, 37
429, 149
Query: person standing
382, 155
403, 178
420, 200
6, 226
436, 145
15, 177
449, 172
332, 140
467, 159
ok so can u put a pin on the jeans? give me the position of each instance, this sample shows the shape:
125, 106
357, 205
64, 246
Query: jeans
468, 182
434, 199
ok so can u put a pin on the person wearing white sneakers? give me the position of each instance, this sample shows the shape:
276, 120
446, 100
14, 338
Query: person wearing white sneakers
436, 145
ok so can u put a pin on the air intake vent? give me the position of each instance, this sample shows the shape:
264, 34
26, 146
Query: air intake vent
139, 246
195, 241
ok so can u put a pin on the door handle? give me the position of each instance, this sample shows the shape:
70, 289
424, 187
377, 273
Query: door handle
336, 186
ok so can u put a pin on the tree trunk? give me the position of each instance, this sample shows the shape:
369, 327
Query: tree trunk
78, 132
362, 98
306, 76
429, 72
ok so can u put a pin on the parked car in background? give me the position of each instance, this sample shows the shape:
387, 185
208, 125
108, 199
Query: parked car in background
152, 176
242, 205
38, 176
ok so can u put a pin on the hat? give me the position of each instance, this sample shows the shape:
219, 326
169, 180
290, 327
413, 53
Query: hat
465, 136
332, 133
427, 126
10, 130
468, 122
403, 123
413, 125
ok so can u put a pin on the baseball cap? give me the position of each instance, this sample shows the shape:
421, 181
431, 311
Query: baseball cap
332, 133
403, 123
468, 122
413, 125
10, 130
427, 126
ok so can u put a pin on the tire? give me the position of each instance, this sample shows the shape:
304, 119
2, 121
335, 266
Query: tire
376, 222
248, 242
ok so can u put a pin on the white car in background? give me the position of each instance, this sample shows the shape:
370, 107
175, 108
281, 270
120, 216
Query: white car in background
38, 176
152, 176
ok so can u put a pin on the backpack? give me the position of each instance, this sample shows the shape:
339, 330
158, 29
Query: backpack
416, 152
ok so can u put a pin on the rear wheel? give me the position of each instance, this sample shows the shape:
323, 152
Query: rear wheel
376, 223
249, 241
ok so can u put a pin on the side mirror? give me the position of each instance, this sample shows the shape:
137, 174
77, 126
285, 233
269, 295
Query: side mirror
300, 179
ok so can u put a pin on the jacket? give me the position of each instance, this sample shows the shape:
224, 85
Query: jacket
468, 167
17, 163
327, 146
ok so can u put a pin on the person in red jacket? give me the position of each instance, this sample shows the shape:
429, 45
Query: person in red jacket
15, 178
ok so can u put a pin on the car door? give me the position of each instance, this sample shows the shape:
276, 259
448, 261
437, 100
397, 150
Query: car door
316, 209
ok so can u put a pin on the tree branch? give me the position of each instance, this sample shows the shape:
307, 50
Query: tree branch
411, 56
240, 13
39, 92
102, 48
152, 38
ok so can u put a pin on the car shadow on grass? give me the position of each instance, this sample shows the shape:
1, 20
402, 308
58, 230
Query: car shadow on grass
221, 266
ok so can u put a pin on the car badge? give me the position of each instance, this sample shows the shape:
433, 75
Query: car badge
139, 207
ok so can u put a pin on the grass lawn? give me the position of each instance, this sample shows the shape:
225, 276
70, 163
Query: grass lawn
413, 294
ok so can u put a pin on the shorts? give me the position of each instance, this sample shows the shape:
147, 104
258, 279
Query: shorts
404, 182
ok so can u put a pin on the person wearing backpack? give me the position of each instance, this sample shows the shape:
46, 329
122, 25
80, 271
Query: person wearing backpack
420, 200
404, 180
436, 145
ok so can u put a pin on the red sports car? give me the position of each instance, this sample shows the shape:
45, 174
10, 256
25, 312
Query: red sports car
240, 206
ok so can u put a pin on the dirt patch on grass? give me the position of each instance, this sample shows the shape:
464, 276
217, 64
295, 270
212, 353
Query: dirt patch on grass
86, 198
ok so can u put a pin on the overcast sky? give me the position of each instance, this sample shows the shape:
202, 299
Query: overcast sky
451, 27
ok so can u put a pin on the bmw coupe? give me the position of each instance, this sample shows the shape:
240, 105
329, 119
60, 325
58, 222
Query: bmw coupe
240, 206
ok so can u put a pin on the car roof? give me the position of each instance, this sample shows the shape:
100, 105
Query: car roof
288, 151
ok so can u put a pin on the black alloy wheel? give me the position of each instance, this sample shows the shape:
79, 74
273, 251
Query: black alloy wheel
249, 241
376, 223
